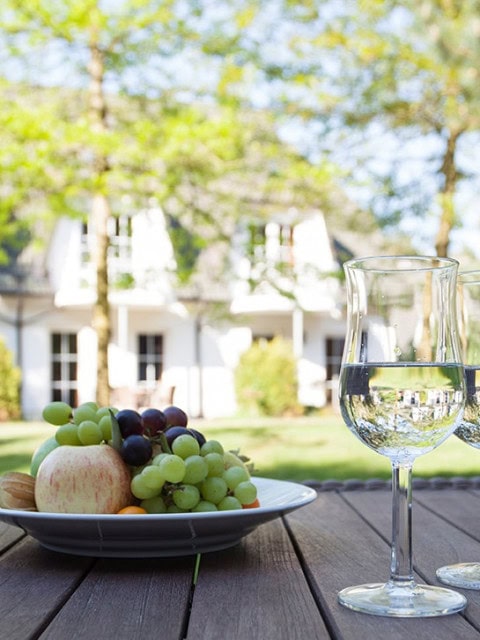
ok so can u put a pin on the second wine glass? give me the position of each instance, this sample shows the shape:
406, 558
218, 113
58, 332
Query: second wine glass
467, 574
402, 393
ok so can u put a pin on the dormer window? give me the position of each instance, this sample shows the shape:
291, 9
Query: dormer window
257, 240
119, 230
271, 243
120, 233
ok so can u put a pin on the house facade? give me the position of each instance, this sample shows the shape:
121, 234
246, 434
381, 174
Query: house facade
167, 346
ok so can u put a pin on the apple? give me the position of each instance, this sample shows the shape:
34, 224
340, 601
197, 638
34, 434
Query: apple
88, 479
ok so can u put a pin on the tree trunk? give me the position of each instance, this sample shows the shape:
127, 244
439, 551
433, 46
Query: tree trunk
100, 215
447, 219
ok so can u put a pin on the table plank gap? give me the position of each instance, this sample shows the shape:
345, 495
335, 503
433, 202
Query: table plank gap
463, 514
128, 598
340, 550
33, 586
256, 589
431, 550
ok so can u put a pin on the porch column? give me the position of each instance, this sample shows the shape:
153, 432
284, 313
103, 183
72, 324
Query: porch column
122, 319
297, 332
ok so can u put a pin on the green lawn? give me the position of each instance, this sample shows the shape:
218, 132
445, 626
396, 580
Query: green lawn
314, 448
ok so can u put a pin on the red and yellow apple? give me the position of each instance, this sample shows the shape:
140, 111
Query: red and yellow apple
89, 479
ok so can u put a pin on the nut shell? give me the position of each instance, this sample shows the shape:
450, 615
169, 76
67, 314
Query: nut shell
17, 491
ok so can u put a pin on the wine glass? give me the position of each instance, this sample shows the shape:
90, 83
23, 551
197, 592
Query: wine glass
402, 393
467, 574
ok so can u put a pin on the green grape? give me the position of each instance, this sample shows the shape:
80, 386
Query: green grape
105, 424
204, 506
41, 452
172, 508
215, 463
140, 490
68, 434
93, 405
211, 446
172, 468
245, 492
100, 413
154, 505
185, 446
153, 477
196, 469
186, 496
213, 489
84, 412
159, 457
89, 432
235, 475
229, 503
57, 413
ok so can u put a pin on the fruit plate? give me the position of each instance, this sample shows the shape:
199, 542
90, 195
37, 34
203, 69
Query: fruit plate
159, 535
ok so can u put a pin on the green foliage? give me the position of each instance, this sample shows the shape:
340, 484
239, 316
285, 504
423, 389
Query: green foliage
266, 379
187, 247
9, 385
124, 281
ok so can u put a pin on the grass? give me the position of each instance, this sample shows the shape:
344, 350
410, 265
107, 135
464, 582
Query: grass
313, 448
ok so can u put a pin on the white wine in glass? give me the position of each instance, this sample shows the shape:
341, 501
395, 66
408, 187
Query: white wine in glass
402, 393
467, 574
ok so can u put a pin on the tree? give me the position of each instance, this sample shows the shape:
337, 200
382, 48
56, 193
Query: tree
129, 118
389, 90
434, 101
420, 83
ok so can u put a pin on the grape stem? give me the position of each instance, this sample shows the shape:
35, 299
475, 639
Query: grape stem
163, 442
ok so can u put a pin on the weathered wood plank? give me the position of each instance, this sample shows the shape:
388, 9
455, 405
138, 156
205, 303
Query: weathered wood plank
435, 541
256, 590
34, 583
9, 535
341, 549
136, 599
461, 508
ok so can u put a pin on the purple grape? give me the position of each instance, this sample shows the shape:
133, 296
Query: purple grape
136, 450
173, 432
200, 438
175, 417
129, 422
153, 421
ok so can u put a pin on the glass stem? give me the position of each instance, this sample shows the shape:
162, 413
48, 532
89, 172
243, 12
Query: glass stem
401, 570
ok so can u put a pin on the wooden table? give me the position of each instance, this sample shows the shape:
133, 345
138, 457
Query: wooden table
279, 583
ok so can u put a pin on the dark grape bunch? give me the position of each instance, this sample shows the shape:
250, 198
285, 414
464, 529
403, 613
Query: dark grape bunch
174, 468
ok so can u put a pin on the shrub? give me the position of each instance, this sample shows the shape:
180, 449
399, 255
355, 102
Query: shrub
266, 379
9, 385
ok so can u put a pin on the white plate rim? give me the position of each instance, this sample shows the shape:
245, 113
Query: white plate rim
306, 495
158, 535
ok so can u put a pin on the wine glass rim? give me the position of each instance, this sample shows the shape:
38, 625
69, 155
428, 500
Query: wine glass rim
393, 263
469, 277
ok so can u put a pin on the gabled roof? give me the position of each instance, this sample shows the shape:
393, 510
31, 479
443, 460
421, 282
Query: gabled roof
26, 282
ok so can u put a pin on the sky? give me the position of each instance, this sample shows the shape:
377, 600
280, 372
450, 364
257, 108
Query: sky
422, 231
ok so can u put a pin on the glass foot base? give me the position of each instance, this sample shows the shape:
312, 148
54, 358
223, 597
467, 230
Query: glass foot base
465, 575
403, 601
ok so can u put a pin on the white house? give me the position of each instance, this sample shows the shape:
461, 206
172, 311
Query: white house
165, 345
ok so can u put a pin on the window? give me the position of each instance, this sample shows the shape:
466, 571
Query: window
334, 350
272, 242
262, 339
286, 244
120, 232
150, 357
119, 229
64, 367
256, 241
